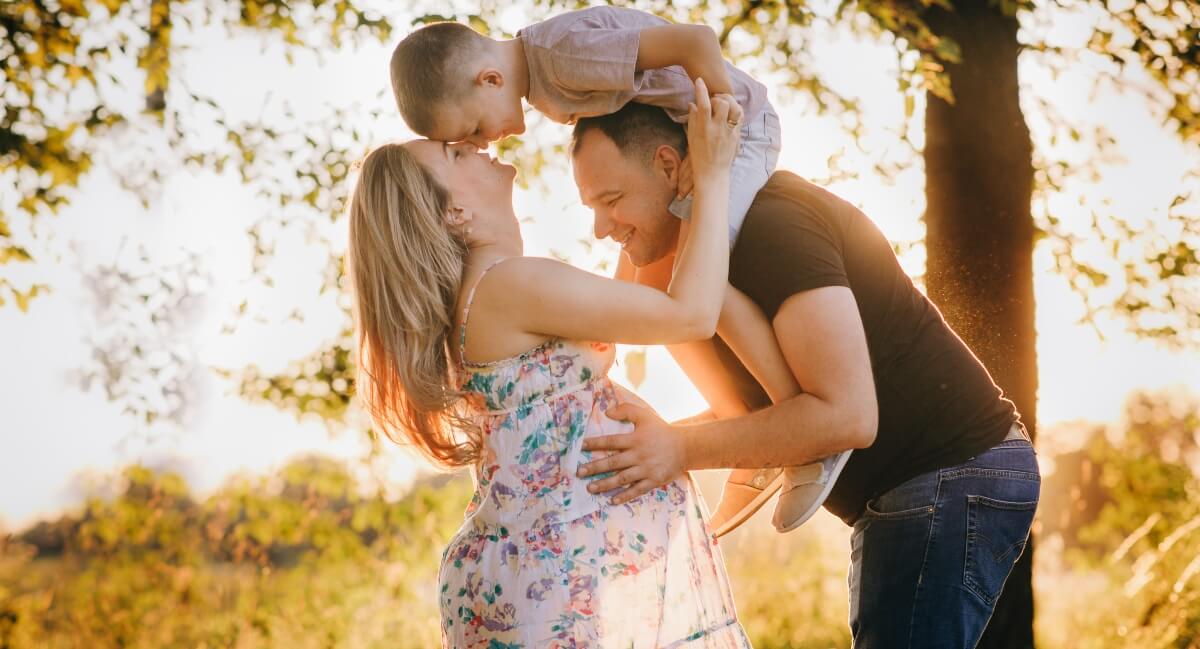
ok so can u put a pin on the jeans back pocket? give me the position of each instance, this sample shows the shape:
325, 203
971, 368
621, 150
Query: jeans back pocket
997, 531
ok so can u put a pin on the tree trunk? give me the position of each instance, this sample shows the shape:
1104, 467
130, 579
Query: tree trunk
978, 188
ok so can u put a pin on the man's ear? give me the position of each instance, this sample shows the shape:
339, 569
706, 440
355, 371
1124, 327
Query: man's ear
489, 78
668, 163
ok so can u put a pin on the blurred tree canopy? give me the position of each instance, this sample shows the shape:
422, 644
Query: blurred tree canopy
69, 92
82, 77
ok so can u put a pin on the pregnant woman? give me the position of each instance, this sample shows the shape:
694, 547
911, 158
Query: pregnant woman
481, 356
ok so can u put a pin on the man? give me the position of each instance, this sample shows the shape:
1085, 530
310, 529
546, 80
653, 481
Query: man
942, 490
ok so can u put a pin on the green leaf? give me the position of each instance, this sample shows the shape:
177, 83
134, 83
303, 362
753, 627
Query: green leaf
948, 50
14, 253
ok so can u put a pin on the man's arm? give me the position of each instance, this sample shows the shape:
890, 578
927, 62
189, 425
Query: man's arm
822, 338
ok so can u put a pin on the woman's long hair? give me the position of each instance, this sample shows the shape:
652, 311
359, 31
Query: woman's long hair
405, 267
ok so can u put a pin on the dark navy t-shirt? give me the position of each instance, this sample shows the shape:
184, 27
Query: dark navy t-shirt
938, 406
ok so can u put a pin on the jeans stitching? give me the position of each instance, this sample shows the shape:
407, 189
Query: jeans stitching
1013, 443
933, 521
969, 581
1006, 505
953, 474
871, 514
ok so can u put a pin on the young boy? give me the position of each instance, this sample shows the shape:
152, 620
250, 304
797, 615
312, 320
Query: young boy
454, 84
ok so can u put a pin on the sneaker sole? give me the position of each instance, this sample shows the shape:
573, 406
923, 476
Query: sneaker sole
750, 509
803, 518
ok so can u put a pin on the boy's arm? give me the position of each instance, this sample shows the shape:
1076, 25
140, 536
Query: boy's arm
744, 327
699, 361
693, 47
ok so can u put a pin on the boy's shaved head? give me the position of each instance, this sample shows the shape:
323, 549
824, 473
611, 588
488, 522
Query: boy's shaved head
431, 66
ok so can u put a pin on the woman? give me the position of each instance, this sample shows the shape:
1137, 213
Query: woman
474, 353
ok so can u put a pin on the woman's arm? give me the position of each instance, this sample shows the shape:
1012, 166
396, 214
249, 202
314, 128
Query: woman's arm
560, 300
697, 358
748, 334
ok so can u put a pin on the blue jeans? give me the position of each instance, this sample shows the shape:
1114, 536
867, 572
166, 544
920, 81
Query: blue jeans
929, 558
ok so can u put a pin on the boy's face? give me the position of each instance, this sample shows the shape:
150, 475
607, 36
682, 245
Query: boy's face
488, 112
629, 200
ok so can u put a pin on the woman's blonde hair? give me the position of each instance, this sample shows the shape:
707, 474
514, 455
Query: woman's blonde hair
405, 268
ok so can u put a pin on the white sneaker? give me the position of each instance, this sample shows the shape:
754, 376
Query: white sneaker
805, 489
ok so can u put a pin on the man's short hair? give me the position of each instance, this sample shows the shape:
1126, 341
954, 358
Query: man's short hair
637, 130
431, 66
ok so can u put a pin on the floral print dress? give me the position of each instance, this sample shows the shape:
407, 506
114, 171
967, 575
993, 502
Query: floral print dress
539, 562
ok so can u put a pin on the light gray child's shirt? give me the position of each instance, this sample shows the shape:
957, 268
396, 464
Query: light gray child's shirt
583, 64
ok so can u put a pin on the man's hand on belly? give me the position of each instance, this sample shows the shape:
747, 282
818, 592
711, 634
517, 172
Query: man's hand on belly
650, 457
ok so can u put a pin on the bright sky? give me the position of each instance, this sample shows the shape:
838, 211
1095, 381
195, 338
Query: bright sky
57, 436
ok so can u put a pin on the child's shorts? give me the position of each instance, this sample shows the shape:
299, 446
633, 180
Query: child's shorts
756, 158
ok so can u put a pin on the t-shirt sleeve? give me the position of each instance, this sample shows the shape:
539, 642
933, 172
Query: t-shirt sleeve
594, 49
596, 59
786, 248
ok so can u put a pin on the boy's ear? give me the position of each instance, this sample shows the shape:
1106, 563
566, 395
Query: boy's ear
490, 77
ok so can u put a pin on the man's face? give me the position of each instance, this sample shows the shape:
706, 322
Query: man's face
628, 198
487, 113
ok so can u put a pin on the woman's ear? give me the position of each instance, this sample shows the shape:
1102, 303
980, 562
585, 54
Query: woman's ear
458, 215
460, 218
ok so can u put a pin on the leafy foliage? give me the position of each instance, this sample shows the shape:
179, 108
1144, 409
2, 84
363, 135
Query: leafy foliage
1131, 556
69, 94
303, 558
70, 100
311, 556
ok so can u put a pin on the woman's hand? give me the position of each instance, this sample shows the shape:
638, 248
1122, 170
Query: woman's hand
714, 129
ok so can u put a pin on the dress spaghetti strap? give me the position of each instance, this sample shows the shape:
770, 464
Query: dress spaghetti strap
462, 336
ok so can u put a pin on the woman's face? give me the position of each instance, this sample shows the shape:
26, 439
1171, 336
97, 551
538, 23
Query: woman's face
476, 181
